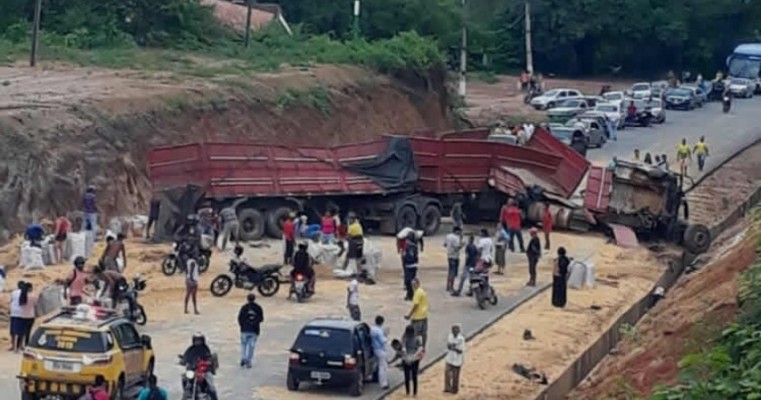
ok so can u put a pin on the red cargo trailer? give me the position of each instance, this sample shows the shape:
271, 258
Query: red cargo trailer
391, 182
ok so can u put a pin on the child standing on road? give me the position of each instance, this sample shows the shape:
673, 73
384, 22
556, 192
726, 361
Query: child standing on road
500, 258
352, 300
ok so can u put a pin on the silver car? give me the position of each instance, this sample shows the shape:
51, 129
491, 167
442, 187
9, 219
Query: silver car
740, 87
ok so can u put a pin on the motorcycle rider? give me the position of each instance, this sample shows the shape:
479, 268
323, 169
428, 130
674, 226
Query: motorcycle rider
302, 264
188, 238
199, 351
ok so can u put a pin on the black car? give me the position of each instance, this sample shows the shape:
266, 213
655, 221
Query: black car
680, 99
334, 351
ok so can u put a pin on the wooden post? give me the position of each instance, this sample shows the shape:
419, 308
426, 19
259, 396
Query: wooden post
36, 33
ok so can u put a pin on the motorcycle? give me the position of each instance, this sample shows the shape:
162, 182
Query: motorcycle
717, 91
178, 258
265, 279
726, 103
482, 291
194, 386
532, 92
641, 118
300, 288
136, 313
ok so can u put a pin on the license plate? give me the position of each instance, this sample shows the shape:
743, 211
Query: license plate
320, 376
63, 366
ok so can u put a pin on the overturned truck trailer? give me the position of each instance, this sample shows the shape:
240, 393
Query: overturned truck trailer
392, 182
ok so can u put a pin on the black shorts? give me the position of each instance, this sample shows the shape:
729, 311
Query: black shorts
355, 248
289, 248
61, 237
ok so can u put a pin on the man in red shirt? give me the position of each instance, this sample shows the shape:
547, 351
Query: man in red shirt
510, 217
289, 235
547, 225
62, 227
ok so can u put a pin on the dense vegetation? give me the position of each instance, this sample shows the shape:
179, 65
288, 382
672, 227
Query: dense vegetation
730, 367
168, 34
633, 37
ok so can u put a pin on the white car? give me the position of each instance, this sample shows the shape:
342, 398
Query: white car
640, 90
614, 97
740, 87
551, 98
612, 111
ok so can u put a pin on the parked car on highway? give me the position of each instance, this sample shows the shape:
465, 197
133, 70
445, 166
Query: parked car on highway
612, 111
592, 132
335, 351
640, 90
701, 97
600, 120
552, 98
680, 99
657, 88
614, 97
741, 87
654, 106
567, 109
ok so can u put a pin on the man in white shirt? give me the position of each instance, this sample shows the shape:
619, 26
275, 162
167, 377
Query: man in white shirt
485, 247
453, 359
453, 244
378, 340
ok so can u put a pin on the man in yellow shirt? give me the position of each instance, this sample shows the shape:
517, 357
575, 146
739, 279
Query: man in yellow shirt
419, 312
683, 156
355, 240
701, 150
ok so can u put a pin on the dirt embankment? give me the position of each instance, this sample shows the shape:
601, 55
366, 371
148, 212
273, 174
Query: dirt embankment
694, 312
63, 128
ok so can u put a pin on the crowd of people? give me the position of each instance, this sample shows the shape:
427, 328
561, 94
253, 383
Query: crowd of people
684, 156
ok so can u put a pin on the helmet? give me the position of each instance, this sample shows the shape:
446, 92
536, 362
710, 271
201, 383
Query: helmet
238, 250
79, 262
191, 219
199, 339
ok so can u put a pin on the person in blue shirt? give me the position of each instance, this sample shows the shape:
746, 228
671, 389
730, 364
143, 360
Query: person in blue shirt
153, 391
378, 340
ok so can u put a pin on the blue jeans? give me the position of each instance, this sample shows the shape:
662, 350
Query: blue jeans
463, 277
454, 265
328, 238
247, 345
91, 221
612, 126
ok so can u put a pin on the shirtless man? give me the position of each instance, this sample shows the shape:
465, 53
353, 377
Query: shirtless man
114, 249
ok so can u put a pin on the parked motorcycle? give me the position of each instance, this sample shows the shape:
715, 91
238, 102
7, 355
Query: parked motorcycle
136, 313
482, 291
641, 118
265, 279
300, 288
726, 103
178, 258
194, 386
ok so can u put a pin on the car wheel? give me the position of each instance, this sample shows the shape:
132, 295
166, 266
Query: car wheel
357, 386
549, 105
291, 382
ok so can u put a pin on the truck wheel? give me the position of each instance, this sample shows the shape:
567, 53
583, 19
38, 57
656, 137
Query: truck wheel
431, 219
251, 224
697, 238
406, 217
275, 220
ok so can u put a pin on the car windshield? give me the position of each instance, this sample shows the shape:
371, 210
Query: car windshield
640, 87
606, 108
551, 93
613, 96
679, 92
571, 103
70, 340
328, 340
737, 81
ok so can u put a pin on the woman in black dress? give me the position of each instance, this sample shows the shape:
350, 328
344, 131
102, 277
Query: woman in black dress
559, 278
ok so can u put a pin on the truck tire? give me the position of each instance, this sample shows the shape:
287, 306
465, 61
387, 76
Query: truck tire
697, 238
275, 221
431, 219
251, 224
406, 217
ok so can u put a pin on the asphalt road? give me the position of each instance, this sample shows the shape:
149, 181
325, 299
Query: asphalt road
725, 134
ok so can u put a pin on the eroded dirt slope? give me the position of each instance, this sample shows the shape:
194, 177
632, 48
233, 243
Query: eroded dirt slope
694, 312
64, 128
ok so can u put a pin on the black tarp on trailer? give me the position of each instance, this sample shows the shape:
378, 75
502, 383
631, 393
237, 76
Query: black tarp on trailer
395, 169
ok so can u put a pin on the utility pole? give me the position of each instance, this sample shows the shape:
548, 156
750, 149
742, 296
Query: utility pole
355, 23
250, 5
529, 50
36, 33
462, 88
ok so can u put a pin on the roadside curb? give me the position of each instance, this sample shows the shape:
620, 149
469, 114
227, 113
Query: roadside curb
539, 290
594, 354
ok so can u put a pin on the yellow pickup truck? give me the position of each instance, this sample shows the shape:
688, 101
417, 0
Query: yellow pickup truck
67, 352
